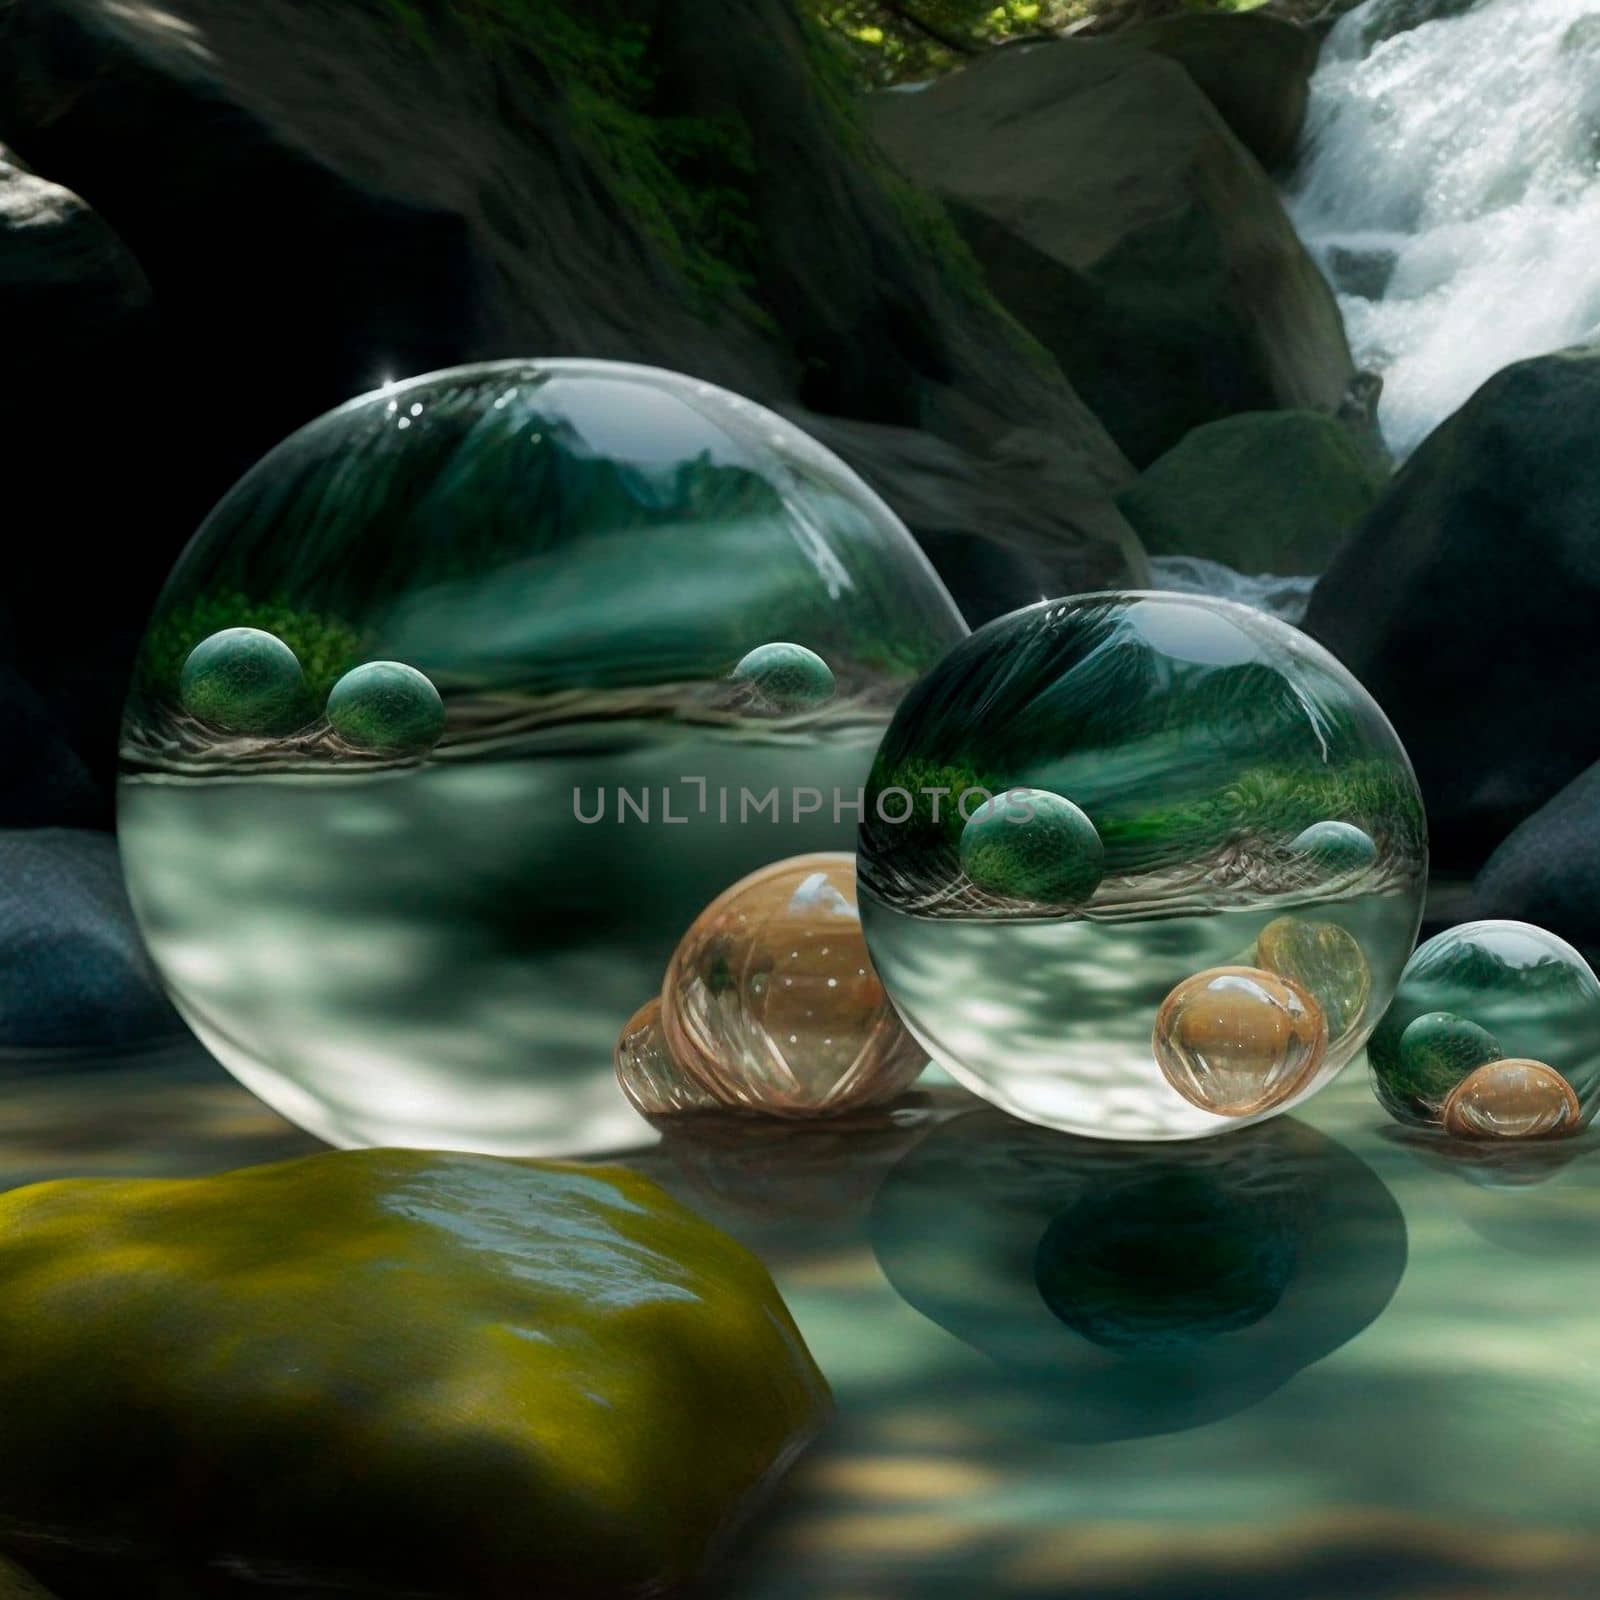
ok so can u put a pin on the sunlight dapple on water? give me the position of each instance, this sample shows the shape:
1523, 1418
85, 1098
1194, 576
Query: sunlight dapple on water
1449, 188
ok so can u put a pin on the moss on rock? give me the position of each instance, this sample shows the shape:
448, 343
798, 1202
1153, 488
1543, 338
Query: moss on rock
682, 179
449, 1374
1272, 491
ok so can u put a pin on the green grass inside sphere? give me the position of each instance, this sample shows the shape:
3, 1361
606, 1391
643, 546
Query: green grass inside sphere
1029, 844
387, 707
244, 681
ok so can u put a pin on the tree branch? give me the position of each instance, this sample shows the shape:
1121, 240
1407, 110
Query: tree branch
950, 41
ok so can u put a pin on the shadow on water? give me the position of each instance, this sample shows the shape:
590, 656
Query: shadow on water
1139, 1289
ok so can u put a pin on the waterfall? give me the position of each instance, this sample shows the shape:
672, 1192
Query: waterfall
1285, 598
1450, 188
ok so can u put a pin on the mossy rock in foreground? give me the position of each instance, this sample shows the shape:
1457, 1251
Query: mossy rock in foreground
445, 1374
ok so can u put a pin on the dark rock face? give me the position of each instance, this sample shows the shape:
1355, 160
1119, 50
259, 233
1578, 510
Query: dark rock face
1130, 232
77, 443
1267, 491
62, 270
42, 778
1548, 871
1255, 69
73, 969
992, 528
1466, 602
326, 198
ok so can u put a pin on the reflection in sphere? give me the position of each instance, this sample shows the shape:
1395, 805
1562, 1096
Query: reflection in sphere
1033, 846
1228, 796
788, 677
1511, 1100
399, 942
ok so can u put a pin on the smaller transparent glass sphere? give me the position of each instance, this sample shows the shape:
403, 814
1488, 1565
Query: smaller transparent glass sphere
1141, 866
771, 1005
1494, 1034
1238, 1041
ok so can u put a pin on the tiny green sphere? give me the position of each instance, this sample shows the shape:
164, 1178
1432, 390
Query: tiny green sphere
387, 707
787, 676
1437, 1050
1030, 844
246, 681
1335, 848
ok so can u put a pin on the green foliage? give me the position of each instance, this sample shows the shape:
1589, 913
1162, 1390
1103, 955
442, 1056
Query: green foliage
326, 646
1273, 802
935, 821
904, 41
901, 42
684, 180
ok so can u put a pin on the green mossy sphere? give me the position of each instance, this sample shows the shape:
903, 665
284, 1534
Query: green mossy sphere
246, 681
1029, 844
388, 707
1335, 848
787, 676
1437, 1050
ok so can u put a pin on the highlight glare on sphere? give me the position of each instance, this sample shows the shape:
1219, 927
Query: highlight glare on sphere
517, 592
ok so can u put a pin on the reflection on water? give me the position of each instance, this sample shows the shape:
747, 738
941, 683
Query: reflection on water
1140, 1289
1508, 1194
1488, 1164
800, 1177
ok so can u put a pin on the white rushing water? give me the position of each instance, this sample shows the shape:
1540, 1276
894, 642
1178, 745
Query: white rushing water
1282, 597
1450, 188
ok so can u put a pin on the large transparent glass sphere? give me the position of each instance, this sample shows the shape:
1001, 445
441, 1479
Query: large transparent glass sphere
1191, 895
1494, 1034
397, 941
